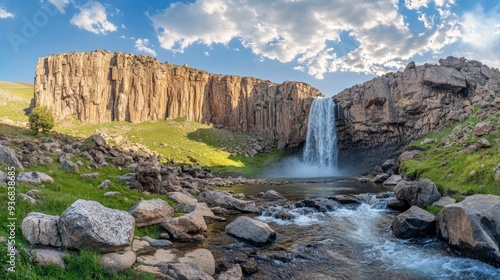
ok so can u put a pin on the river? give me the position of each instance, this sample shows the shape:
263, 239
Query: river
346, 243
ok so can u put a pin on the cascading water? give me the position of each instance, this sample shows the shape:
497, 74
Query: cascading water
320, 150
319, 158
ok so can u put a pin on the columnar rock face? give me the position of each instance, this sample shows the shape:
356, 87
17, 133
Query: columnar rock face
378, 118
102, 86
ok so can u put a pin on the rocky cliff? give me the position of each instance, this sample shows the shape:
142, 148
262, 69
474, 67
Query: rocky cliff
377, 119
102, 86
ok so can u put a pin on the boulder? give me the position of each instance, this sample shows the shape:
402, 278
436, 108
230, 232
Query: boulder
27, 198
157, 243
119, 261
88, 224
496, 173
273, 195
33, 178
472, 227
200, 259
181, 271
213, 198
182, 198
250, 266
483, 143
345, 199
413, 223
417, 193
90, 176
233, 273
381, 178
443, 201
160, 256
110, 194
149, 176
45, 257
251, 230
68, 165
320, 204
188, 227
3, 178
8, 156
388, 165
98, 140
105, 184
482, 128
151, 212
41, 229
407, 155
398, 205
393, 180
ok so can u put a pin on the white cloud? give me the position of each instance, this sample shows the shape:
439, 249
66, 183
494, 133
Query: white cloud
60, 4
123, 26
5, 14
427, 20
93, 18
481, 35
141, 45
206, 54
303, 31
299, 68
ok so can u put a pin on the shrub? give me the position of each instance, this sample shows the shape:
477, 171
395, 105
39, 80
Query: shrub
41, 118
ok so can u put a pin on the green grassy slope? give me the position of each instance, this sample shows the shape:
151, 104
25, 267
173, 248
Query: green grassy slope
14, 98
452, 169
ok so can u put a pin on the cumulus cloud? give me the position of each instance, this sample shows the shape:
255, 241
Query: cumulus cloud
141, 45
309, 32
93, 18
5, 14
60, 4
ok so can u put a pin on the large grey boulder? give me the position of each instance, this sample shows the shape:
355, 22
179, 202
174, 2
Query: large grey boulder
413, 223
200, 259
41, 229
393, 180
70, 166
118, 261
251, 230
151, 212
482, 128
182, 198
273, 195
473, 227
188, 227
417, 193
213, 198
89, 224
33, 178
8, 156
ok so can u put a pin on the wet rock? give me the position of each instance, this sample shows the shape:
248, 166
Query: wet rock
182, 198
213, 198
88, 224
273, 195
393, 180
345, 199
41, 229
251, 230
148, 175
90, 176
157, 243
471, 226
381, 178
417, 193
119, 261
150, 212
233, 273
443, 201
68, 165
8, 156
188, 227
320, 204
200, 259
33, 178
249, 267
482, 128
398, 205
413, 223
45, 257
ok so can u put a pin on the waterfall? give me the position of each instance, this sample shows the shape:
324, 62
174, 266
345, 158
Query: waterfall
321, 150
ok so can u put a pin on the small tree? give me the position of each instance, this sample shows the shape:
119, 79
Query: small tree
41, 118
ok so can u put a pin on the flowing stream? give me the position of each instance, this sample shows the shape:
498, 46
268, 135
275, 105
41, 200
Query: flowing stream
346, 243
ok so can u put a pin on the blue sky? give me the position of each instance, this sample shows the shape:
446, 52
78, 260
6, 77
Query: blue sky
327, 43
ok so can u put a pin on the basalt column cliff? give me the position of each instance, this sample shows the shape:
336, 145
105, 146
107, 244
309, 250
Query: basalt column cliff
378, 118
102, 86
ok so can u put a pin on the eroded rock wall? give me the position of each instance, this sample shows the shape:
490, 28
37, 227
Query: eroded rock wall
378, 118
102, 86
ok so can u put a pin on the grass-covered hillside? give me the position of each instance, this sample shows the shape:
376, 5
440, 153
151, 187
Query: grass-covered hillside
454, 158
220, 150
